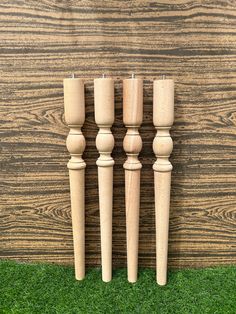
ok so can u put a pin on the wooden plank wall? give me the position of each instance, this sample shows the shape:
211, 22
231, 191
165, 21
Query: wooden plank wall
42, 42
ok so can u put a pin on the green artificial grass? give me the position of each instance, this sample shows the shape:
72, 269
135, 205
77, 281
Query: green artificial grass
40, 288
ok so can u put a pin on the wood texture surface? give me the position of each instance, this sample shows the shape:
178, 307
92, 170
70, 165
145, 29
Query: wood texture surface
74, 111
104, 112
163, 119
193, 42
132, 145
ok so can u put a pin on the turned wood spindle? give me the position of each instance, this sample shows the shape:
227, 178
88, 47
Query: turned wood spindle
163, 118
104, 117
132, 118
74, 116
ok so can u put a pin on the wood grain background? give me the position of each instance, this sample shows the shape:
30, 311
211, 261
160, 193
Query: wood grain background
42, 42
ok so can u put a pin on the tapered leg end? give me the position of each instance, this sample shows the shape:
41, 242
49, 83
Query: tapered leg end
132, 279
106, 278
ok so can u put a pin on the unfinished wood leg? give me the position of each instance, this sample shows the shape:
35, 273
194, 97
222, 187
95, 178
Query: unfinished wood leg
104, 117
163, 117
132, 117
74, 117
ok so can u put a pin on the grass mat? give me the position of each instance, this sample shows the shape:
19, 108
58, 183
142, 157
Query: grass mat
42, 288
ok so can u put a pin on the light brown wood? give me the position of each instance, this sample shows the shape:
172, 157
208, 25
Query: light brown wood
192, 42
132, 117
163, 118
74, 116
104, 117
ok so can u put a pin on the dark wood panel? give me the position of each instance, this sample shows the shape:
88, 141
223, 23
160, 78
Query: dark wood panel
193, 42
